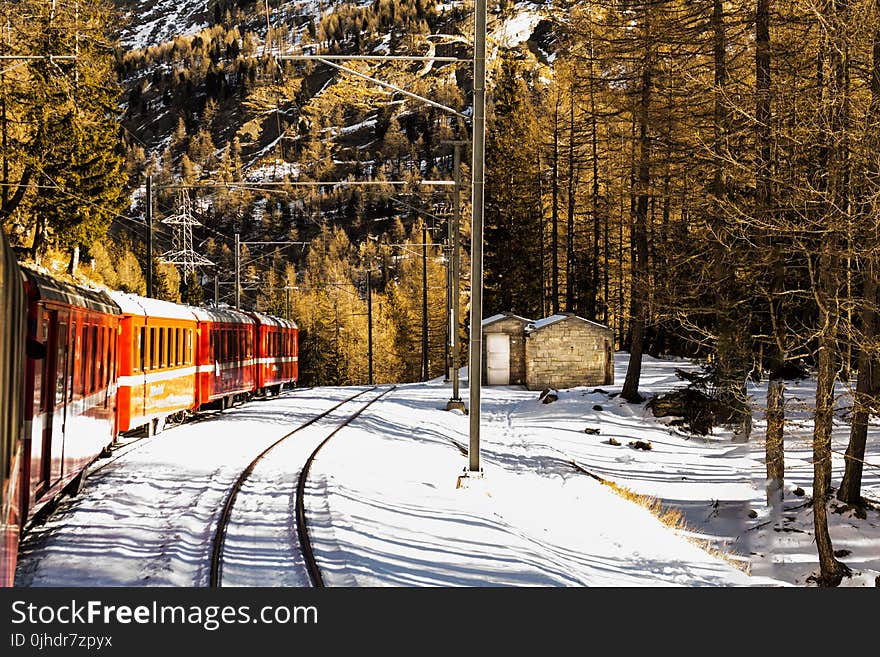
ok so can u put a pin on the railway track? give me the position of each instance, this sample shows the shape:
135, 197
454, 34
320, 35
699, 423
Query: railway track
141, 437
123, 446
218, 543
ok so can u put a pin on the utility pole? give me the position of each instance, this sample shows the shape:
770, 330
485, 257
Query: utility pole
149, 221
216, 291
370, 326
478, 174
237, 272
447, 351
455, 401
287, 302
424, 302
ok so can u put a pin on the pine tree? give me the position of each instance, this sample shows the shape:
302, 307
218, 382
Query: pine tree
513, 205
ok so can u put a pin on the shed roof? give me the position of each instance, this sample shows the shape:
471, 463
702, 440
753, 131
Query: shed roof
500, 316
537, 325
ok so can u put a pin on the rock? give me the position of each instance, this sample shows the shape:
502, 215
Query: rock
612, 441
753, 513
877, 581
640, 444
548, 395
842, 553
592, 431
597, 407
598, 391
798, 491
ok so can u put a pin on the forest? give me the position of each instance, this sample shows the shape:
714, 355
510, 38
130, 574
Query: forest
701, 176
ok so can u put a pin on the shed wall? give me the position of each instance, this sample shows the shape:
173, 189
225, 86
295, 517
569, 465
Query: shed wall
567, 354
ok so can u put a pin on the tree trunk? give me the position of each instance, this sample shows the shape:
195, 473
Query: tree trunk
569, 245
630, 390
774, 450
867, 387
592, 301
831, 571
554, 226
868, 383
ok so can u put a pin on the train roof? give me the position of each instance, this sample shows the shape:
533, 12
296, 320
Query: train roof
133, 304
223, 314
269, 320
52, 289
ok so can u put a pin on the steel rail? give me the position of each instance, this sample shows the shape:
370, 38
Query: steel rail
223, 522
302, 528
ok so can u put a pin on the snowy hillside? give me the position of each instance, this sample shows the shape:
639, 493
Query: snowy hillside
149, 23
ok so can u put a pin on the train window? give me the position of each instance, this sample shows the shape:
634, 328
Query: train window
152, 348
188, 346
169, 344
83, 354
60, 363
142, 347
178, 347
162, 359
111, 374
95, 365
40, 397
71, 360
101, 357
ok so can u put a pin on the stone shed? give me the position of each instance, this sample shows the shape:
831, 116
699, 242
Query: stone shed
565, 351
504, 352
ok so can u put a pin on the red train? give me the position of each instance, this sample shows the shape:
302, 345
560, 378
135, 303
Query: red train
80, 366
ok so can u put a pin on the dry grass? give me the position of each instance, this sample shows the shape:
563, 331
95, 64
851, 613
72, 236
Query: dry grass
673, 518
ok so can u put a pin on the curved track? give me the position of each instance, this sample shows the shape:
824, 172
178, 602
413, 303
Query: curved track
301, 524
216, 572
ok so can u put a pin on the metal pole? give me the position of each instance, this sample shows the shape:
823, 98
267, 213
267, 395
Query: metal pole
479, 150
149, 221
237, 272
447, 346
456, 276
216, 291
370, 325
287, 302
424, 302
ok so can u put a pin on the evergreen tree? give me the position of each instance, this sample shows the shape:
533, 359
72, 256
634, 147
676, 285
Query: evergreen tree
513, 205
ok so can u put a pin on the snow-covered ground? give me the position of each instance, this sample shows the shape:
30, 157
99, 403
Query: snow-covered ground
385, 506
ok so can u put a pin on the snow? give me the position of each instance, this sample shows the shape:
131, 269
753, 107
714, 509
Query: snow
499, 317
386, 506
158, 21
519, 28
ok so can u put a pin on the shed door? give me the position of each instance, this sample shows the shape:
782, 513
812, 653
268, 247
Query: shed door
497, 359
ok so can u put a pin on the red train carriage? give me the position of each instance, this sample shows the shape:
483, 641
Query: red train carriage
277, 353
13, 313
225, 356
70, 394
157, 369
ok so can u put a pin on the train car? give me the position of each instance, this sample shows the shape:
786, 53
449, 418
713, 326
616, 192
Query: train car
225, 357
277, 353
157, 361
13, 314
69, 393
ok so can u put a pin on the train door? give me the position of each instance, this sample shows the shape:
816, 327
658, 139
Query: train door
58, 368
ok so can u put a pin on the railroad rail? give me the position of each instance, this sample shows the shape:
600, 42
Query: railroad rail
216, 573
302, 528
